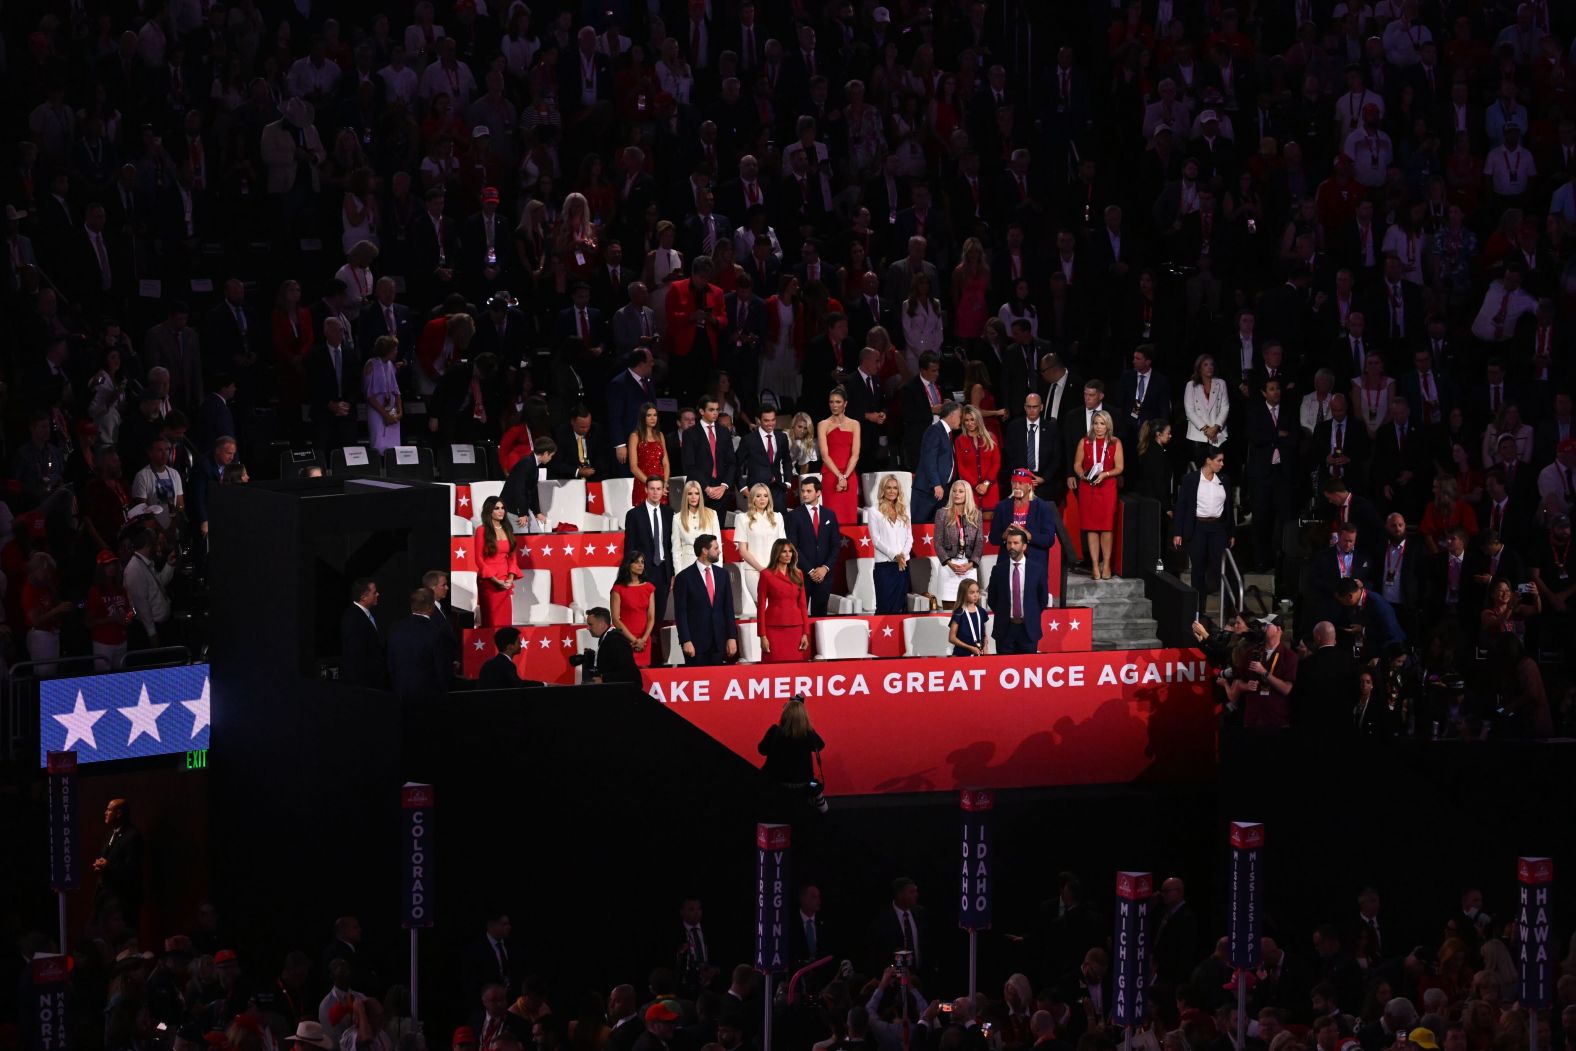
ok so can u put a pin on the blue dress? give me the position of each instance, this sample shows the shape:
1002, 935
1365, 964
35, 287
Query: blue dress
972, 628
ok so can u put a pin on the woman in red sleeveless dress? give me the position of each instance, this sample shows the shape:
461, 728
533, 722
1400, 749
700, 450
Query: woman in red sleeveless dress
1097, 464
495, 566
631, 607
839, 446
781, 615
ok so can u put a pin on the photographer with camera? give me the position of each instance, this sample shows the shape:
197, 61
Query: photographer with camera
789, 748
614, 659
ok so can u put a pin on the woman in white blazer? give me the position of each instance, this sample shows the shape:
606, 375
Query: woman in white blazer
756, 531
692, 521
1207, 402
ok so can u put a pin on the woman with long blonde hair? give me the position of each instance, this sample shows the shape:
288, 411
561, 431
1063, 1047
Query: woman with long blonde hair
959, 542
691, 521
1097, 464
760, 530
977, 455
893, 538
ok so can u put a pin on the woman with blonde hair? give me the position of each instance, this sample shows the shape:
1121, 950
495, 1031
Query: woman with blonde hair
664, 265
970, 283
791, 748
761, 528
1097, 464
357, 272
959, 543
691, 521
978, 456
576, 242
801, 444
893, 537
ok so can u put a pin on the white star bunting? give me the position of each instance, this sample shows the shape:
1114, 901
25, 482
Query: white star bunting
199, 709
1056, 625
864, 541
567, 643
612, 549
590, 549
929, 541
459, 553
462, 500
1073, 624
79, 724
544, 643
886, 632
478, 645
591, 499
143, 716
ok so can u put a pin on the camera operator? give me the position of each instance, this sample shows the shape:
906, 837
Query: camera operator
1271, 675
613, 660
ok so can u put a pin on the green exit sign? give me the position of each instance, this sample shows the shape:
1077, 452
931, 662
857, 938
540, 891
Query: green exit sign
197, 760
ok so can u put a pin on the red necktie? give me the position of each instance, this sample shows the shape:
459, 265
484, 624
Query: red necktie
815, 520
711, 440
711, 586
753, 193
585, 328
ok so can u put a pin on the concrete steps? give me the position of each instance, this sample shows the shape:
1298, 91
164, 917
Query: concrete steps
1123, 617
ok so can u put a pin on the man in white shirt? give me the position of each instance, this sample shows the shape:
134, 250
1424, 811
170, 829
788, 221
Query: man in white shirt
313, 77
1557, 481
399, 80
147, 584
1370, 149
1510, 167
448, 76
1504, 304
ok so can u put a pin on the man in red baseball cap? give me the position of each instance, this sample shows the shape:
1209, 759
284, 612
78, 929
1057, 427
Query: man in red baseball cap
464, 1039
661, 1020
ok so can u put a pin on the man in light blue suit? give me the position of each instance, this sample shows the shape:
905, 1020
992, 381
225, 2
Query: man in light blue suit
937, 466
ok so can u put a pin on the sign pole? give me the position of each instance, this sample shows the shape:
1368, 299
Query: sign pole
1247, 841
416, 802
771, 910
1130, 969
974, 877
64, 864
1534, 915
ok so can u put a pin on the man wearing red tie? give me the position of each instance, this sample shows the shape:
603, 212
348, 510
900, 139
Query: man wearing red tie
696, 314
703, 607
494, 1020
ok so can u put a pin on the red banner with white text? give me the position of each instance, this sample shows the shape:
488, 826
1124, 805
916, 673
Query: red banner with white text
941, 724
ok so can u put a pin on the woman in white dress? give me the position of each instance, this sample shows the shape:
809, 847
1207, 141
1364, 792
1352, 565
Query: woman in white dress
693, 520
664, 265
673, 73
922, 321
358, 215
1371, 393
763, 527
1206, 402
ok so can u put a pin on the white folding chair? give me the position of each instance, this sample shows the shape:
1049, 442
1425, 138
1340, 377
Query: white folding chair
743, 597
618, 496
459, 525
462, 591
563, 502
862, 583
534, 589
591, 586
926, 637
837, 640
841, 605
480, 491
671, 645
749, 642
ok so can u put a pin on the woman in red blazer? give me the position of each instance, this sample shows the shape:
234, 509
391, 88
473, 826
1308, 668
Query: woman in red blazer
781, 615
696, 312
978, 456
291, 325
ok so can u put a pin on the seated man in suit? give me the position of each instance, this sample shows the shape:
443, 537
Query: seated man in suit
582, 445
813, 531
703, 607
613, 660
519, 494
421, 655
1040, 523
937, 466
764, 458
1017, 596
708, 457
648, 529
499, 672
1033, 444
361, 660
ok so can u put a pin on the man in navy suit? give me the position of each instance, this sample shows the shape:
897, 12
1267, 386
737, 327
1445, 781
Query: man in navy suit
708, 458
626, 393
421, 653
1273, 437
745, 335
648, 529
1040, 522
1329, 566
1369, 617
1144, 395
361, 658
937, 466
581, 321
1017, 596
812, 530
764, 458
703, 607
384, 317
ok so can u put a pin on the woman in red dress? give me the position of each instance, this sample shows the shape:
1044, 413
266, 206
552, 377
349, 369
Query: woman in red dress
1097, 464
291, 328
651, 450
781, 615
839, 446
631, 602
495, 567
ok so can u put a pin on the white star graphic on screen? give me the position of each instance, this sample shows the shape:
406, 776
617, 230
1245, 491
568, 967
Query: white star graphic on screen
79, 724
864, 541
143, 716
886, 632
459, 554
478, 645
544, 643
462, 500
612, 549
1056, 625
1073, 624
199, 710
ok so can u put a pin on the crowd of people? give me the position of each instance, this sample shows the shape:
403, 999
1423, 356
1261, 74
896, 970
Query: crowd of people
883, 975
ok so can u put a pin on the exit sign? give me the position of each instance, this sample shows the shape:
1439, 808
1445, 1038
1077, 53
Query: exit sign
197, 760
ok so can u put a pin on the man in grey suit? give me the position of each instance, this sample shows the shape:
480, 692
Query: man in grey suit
900, 275
634, 323
173, 345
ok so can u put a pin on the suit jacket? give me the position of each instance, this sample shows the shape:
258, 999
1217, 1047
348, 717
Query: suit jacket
497, 673
473, 245
707, 624
693, 235
565, 463
1176, 944
774, 470
820, 360
424, 250
122, 873
682, 335
743, 339
816, 548
1377, 616
1265, 439
1391, 456
373, 324
885, 937
1319, 697
420, 658
1324, 573
320, 380
625, 396
1045, 526
1185, 520
214, 419
1355, 444
917, 417
519, 493
638, 536
222, 338
181, 353
615, 658
569, 70
937, 466
695, 452
361, 659
1155, 406
1047, 463
630, 326
1036, 598
568, 326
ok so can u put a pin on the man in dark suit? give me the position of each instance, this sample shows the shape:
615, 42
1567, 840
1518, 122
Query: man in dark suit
215, 418
230, 334
921, 400
703, 607
1018, 596
1402, 304
1431, 393
744, 336
433, 249
1399, 565
867, 404
868, 309
519, 493
610, 282
1204, 519
1089, 983
1032, 444
420, 657
503, 331
613, 661
1367, 617
1112, 255
902, 927
1144, 394
648, 529
582, 449
1402, 465
581, 320
924, 219
1320, 705
808, 938
1175, 938
498, 672
1273, 436
1331, 565
937, 467
333, 379
490, 958
493, 1019
361, 658
626, 393
1340, 447
119, 866
486, 248
813, 530
765, 459
1349, 352
708, 457
829, 361
384, 317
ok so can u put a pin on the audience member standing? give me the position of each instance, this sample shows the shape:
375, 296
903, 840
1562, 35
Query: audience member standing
781, 614
892, 536
703, 607
813, 530
496, 566
420, 658
361, 656
1018, 595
